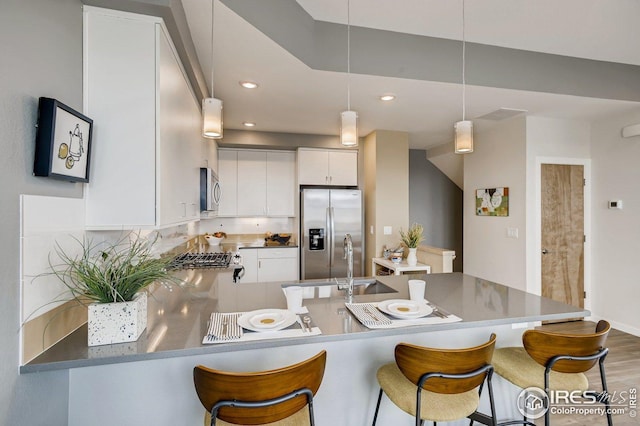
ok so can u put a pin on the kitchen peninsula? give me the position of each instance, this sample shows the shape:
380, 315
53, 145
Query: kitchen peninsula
156, 371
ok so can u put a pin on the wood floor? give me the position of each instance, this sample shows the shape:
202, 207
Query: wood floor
622, 368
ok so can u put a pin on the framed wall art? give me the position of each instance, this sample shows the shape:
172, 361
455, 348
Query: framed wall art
63, 142
492, 202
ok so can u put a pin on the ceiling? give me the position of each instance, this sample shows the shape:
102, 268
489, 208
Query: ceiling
295, 97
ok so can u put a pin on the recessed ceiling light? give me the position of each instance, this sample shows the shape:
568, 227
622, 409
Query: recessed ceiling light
387, 97
249, 84
249, 124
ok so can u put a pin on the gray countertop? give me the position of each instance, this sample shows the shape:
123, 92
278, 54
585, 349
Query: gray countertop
177, 318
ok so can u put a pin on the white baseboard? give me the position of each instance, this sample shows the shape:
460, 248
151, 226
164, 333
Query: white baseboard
617, 325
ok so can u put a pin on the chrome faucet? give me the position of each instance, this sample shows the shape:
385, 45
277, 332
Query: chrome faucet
348, 255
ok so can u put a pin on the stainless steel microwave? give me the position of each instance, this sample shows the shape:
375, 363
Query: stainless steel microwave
210, 191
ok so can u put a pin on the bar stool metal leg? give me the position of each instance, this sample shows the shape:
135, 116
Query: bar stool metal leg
375, 416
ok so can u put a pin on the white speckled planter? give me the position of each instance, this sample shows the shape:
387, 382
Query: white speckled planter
117, 322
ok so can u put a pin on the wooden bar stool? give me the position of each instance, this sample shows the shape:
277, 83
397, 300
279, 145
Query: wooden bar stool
439, 384
275, 397
555, 361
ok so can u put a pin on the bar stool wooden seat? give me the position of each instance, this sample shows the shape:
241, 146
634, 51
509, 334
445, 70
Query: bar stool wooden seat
554, 361
282, 397
438, 384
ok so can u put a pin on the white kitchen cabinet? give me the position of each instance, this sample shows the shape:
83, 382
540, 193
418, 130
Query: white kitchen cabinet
281, 179
145, 153
252, 183
278, 264
228, 176
250, 263
256, 183
270, 264
327, 167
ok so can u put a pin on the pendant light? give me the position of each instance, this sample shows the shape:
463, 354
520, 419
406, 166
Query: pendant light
349, 119
464, 128
212, 107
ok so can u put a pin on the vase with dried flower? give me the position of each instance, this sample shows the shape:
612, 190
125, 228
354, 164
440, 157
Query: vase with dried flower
412, 239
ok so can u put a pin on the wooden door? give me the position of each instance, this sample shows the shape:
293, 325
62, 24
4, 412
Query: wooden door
563, 233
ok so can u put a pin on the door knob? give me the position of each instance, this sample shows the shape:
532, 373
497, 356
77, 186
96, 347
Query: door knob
545, 251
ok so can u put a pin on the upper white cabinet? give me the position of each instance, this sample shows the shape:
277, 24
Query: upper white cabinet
256, 182
281, 187
147, 130
327, 167
252, 183
228, 176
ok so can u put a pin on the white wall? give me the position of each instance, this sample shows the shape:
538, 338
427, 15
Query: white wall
498, 161
616, 233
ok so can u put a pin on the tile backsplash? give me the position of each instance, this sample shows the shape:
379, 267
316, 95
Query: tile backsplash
47, 223
50, 222
247, 225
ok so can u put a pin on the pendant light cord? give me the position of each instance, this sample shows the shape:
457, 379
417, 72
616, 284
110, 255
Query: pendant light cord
212, 9
464, 103
348, 55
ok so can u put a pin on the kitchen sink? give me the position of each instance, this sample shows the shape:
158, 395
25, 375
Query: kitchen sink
371, 286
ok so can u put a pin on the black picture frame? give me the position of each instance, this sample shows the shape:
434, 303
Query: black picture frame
63, 142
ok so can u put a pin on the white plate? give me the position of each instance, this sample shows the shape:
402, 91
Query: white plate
405, 309
267, 319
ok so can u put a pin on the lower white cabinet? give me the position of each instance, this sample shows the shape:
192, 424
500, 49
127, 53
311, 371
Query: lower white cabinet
270, 264
250, 263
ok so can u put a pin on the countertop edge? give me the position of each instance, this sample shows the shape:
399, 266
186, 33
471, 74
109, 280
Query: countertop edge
242, 346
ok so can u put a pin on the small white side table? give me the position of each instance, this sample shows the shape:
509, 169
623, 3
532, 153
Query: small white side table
398, 268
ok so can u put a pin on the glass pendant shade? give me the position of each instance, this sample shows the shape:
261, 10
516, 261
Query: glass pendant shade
212, 118
464, 137
349, 128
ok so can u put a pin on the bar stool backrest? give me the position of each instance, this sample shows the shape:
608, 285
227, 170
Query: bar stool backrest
213, 386
414, 361
544, 345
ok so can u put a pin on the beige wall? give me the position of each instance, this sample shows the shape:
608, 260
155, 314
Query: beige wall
499, 160
386, 190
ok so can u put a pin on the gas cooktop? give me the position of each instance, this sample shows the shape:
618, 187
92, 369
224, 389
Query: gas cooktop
201, 260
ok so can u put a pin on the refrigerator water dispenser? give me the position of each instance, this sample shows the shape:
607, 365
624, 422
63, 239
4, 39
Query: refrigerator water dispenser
316, 239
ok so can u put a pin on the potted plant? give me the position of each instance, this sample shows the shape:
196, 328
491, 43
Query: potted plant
412, 239
110, 278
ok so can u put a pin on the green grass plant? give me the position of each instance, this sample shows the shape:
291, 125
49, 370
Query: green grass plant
111, 272
413, 237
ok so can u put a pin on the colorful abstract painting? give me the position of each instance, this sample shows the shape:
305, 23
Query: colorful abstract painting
492, 202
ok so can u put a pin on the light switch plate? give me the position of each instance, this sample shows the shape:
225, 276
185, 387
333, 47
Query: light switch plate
388, 230
512, 232
615, 204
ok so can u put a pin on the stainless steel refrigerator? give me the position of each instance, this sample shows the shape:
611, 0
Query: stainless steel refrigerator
327, 215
